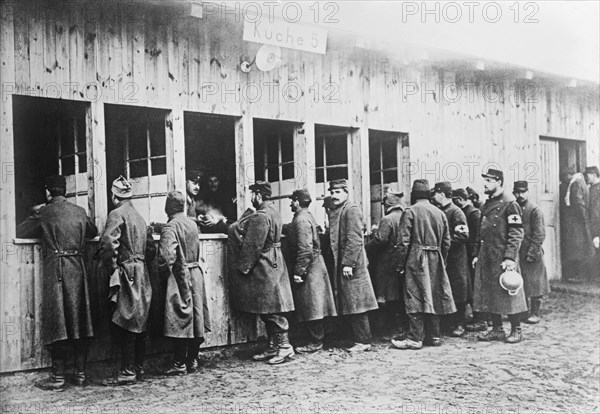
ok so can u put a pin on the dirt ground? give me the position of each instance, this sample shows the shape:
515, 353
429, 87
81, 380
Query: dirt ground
554, 370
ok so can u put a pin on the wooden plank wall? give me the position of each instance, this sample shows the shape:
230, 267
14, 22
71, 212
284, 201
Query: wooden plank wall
23, 332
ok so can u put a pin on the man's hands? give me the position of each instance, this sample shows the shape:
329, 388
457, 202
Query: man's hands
508, 265
347, 272
474, 262
298, 279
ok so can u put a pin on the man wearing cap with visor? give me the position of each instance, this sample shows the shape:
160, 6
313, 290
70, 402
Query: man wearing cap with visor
383, 251
313, 298
259, 282
351, 282
592, 176
497, 251
125, 247
67, 320
192, 189
531, 254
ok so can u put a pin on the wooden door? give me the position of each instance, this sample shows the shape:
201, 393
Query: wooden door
549, 203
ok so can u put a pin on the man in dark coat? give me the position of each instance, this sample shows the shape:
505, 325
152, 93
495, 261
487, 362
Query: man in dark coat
576, 237
352, 286
473, 215
531, 254
186, 307
592, 176
125, 246
313, 298
383, 249
260, 283
193, 206
497, 250
425, 240
67, 321
457, 265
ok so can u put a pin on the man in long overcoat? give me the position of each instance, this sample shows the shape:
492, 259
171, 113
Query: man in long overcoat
592, 175
531, 254
576, 237
67, 321
192, 188
125, 246
259, 282
313, 298
383, 251
497, 250
425, 240
457, 265
186, 308
352, 286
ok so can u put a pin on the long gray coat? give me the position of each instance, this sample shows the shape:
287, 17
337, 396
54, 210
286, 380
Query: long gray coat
425, 240
186, 307
353, 295
383, 251
457, 264
500, 237
127, 245
531, 254
576, 236
63, 227
313, 298
258, 278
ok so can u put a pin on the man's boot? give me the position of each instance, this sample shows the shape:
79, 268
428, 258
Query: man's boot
495, 334
515, 330
285, 351
534, 312
271, 349
80, 364
56, 380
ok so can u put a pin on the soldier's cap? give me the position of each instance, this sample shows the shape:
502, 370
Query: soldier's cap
193, 175
420, 190
442, 187
473, 195
392, 191
175, 202
592, 170
301, 195
339, 183
493, 173
460, 193
261, 187
327, 202
520, 187
122, 188
56, 181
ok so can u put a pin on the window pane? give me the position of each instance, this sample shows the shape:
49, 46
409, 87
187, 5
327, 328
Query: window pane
68, 165
81, 144
288, 171
375, 178
320, 175
390, 176
389, 153
272, 151
319, 151
157, 138
374, 155
137, 142
287, 148
336, 151
159, 166
273, 174
82, 163
66, 137
138, 169
337, 173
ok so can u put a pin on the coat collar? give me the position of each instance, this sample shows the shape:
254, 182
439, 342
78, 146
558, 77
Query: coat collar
57, 199
393, 208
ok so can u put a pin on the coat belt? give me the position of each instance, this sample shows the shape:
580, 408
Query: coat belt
426, 249
132, 257
192, 265
64, 253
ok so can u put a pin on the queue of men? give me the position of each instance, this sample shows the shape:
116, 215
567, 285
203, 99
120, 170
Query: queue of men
431, 262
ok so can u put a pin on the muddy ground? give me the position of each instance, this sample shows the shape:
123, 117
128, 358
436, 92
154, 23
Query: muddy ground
554, 370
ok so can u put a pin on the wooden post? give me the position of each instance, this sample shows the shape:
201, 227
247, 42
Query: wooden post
359, 171
304, 155
244, 159
10, 282
96, 149
175, 136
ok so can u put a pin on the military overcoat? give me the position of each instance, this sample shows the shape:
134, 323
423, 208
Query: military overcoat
354, 295
63, 227
457, 263
383, 251
259, 280
186, 306
531, 254
500, 237
313, 298
576, 238
127, 245
425, 240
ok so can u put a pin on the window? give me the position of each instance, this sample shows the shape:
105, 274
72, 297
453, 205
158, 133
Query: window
274, 150
136, 148
331, 153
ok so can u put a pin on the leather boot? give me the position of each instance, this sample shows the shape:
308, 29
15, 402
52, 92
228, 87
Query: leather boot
534, 312
495, 334
271, 349
515, 335
80, 365
56, 380
285, 351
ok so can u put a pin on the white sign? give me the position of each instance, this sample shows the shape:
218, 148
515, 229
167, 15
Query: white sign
290, 35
